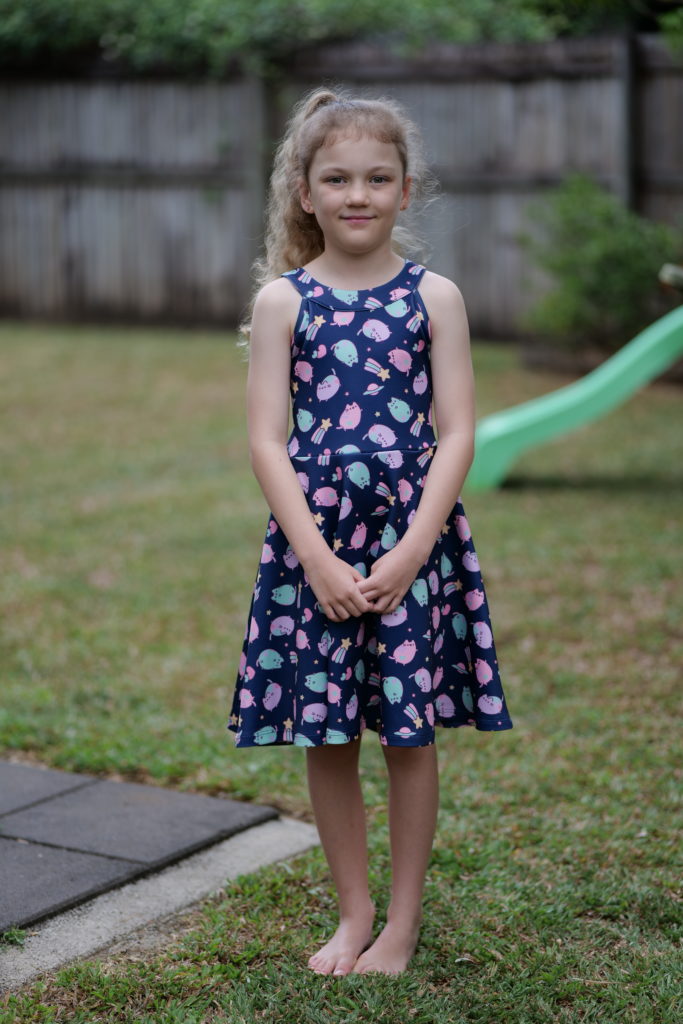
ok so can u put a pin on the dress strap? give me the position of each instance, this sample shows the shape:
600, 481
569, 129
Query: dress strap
416, 272
301, 280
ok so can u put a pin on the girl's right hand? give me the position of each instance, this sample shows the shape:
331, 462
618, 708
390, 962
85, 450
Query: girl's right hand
335, 584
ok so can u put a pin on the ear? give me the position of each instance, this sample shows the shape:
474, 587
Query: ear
405, 192
305, 197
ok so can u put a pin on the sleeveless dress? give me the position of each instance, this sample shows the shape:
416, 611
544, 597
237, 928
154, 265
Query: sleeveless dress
361, 445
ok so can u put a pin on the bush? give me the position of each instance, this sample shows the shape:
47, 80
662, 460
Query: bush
605, 260
207, 36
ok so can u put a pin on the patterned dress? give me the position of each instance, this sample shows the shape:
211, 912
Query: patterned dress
361, 446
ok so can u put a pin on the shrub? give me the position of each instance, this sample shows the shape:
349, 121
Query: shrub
208, 36
604, 259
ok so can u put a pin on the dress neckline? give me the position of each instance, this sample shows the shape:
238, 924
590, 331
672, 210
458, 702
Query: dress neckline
360, 291
331, 297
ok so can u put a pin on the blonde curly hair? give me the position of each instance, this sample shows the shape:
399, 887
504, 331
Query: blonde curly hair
292, 236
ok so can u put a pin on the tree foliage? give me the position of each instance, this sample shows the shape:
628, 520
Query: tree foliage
208, 36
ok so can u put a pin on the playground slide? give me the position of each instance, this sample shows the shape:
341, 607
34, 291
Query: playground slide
503, 436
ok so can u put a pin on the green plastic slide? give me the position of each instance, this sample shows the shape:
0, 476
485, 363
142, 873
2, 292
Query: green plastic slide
503, 436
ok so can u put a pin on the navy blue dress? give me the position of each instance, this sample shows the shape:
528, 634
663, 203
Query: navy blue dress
361, 446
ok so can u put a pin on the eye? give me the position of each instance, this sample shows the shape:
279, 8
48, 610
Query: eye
334, 179
379, 179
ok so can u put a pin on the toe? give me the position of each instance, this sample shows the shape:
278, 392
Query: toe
344, 965
320, 964
360, 968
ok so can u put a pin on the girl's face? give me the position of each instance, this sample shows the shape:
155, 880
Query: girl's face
356, 188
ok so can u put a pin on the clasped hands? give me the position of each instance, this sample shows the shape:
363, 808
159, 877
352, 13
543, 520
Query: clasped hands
343, 592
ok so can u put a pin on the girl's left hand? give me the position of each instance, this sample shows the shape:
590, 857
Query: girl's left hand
390, 576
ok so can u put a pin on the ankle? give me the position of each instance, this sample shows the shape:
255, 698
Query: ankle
407, 919
353, 912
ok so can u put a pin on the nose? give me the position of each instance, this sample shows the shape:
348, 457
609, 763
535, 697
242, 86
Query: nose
357, 194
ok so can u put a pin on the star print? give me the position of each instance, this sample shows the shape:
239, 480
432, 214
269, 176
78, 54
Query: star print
346, 643
419, 315
338, 544
233, 719
445, 528
318, 518
381, 648
458, 584
391, 499
295, 385
318, 321
383, 374
420, 417
326, 424
288, 723
418, 723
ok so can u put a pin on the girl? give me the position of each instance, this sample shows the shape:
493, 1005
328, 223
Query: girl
368, 609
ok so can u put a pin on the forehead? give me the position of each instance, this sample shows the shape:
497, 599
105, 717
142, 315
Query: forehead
354, 151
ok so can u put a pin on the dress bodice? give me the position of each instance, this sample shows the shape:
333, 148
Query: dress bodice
360, 368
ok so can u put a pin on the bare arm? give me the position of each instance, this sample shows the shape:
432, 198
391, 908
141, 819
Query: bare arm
453, 397
454, 414
334, 582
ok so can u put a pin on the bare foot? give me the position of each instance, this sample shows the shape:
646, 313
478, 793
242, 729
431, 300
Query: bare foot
353, 935
391, 951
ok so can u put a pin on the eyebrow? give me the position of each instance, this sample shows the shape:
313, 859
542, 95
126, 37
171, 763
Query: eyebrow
345, 170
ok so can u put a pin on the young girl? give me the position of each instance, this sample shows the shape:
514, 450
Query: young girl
368, 609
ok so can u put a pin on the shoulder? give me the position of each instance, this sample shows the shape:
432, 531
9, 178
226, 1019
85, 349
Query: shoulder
446, 310
276, 296
276, 308
440, 293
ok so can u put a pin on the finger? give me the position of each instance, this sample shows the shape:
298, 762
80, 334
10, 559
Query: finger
386, 604
362, 605
356, 604
368, 588
332, 611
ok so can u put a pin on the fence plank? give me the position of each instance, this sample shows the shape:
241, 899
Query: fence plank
143, 199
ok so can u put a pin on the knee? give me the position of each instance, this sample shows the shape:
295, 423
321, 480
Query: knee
328, 752
409, 756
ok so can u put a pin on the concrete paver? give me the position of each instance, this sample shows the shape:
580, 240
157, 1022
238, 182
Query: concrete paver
97, 924
64, 837
22, 785
37, 879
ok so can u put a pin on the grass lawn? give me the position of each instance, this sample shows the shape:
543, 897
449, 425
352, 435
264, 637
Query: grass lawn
131, 530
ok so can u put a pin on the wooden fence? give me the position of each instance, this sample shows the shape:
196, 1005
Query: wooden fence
129, 200
143, 199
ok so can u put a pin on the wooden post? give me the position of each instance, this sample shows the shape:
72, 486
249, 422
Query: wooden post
254, 137
625, 179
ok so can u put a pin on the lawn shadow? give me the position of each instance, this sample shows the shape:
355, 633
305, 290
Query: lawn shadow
631, 484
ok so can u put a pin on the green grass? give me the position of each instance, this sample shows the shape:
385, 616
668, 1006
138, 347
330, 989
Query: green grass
131, 530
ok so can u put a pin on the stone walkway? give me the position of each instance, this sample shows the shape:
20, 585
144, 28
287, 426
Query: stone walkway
65, 838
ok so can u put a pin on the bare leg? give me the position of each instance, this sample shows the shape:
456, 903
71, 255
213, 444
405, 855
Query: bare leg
337, 800
413, 811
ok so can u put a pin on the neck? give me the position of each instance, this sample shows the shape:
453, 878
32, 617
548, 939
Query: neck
355, 271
